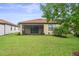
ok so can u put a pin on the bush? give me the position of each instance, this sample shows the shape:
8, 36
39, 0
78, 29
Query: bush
76, 34
18, 33
61, 31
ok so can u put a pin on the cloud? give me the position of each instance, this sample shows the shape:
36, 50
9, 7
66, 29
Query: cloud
21, 7
32, 8
17, 5
18, 11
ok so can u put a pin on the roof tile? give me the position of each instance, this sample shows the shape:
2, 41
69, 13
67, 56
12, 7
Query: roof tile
39, 21
2, 21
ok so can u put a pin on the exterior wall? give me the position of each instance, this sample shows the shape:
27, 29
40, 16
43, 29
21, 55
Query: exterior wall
47, 31
14, 29
25, 30
20, 29
6, 29
9, 30
1, 29
17, 29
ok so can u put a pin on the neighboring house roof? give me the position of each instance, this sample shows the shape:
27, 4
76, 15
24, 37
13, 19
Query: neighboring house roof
2, 21
36, 21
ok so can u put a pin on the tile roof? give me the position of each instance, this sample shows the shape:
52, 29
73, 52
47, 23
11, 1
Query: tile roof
2, 21
37, 21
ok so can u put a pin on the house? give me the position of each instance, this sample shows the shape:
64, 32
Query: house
7, 27
37, 26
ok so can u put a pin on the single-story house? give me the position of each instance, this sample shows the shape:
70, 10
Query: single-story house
37, 26
7, 27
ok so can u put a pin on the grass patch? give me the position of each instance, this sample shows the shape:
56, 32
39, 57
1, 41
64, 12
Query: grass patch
37, 45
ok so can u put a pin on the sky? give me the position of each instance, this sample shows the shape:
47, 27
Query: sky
17, 12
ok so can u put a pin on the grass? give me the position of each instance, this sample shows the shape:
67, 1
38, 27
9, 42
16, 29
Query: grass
37, 45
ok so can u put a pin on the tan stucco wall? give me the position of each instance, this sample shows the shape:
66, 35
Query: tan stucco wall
45, 28
20, 28
46, 31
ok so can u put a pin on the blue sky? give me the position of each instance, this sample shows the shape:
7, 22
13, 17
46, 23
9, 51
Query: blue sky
16, 12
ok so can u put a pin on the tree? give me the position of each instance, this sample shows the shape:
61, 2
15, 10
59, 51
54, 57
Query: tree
46, 11
67, 15
52, 11
75, 19
55, 12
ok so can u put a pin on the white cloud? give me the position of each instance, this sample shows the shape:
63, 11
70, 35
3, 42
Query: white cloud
32, 8
17, 12
29, 8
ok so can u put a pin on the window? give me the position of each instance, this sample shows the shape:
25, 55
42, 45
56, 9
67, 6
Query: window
11, 28
51, 27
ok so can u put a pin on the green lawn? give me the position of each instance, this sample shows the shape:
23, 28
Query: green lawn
38, 45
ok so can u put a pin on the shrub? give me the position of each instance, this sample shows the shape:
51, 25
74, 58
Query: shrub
76, 34
61, 31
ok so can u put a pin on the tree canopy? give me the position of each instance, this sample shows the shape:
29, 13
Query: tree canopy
66, 14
